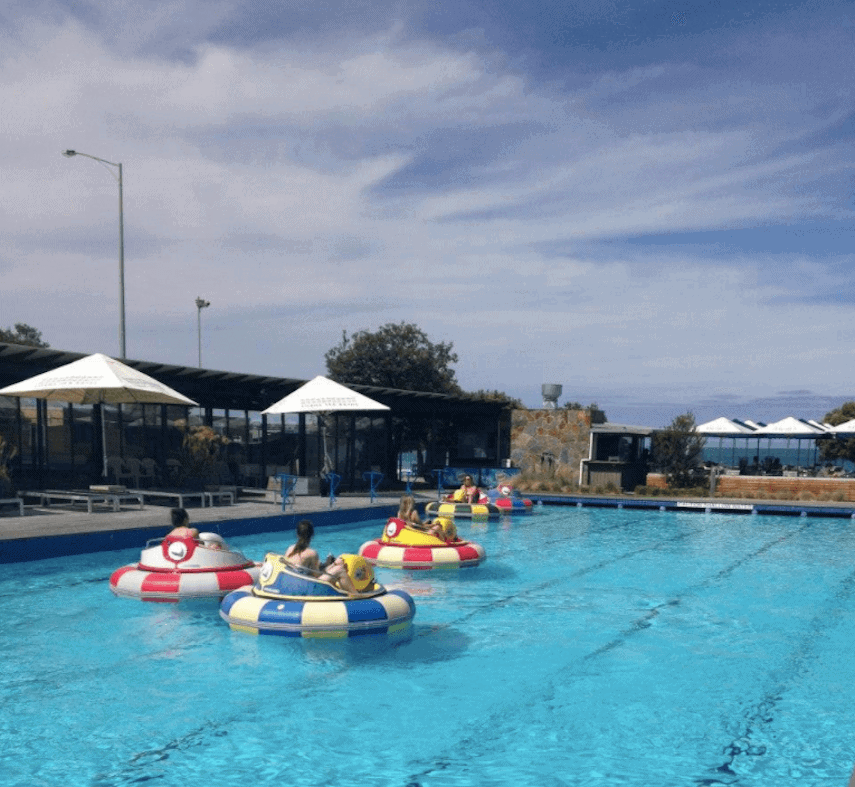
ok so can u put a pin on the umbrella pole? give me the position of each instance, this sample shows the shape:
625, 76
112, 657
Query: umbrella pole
104, 440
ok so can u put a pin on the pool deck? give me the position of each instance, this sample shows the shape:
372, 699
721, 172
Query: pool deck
52, 531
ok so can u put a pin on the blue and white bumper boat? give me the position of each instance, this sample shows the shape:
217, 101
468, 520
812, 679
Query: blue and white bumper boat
289, 603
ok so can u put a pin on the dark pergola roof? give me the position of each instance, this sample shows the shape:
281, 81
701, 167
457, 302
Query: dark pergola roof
235, 390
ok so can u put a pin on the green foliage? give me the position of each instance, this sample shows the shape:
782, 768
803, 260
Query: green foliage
7, 453
580, 406
677, 451
834, 449
395, 356
23, 334
201, 450
498, 396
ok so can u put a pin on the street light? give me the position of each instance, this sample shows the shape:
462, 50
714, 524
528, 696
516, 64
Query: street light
201, 303
69, 154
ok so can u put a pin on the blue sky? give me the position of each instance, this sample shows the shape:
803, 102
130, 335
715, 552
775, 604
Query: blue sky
649, 203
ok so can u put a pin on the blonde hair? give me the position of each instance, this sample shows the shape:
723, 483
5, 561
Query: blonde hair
407, 510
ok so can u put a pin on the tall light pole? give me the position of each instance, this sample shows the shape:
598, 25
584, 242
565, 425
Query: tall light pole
69, 154
201, 303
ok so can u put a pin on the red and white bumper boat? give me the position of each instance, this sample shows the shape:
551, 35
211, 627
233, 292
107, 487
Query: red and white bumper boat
174, 568
404, 546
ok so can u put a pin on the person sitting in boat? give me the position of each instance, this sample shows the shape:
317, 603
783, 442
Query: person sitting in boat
468, 492
300, 554
351, 574
181, 524
213, 541
408, 512
336, 574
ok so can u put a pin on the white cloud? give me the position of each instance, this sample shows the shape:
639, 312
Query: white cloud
259, 178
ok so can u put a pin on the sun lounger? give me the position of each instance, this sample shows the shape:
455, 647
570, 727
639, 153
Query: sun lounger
14, 501
112, 499
204, 498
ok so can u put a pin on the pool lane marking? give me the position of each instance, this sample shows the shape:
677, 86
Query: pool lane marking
481, 737
522, 594
761, 713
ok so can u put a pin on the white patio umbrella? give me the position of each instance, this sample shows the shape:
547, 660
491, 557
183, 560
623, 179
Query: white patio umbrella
848, 427
724, 427
97, 379
321, 396
791, 428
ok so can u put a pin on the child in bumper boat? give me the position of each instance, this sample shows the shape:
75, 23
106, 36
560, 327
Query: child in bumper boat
407, 511
181, 524
468, 492
300, 554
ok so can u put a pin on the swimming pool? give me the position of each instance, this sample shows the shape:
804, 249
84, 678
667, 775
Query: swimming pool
593, 647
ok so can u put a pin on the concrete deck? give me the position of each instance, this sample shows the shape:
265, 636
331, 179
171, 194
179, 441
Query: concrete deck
45, 532
56, 520
56, 530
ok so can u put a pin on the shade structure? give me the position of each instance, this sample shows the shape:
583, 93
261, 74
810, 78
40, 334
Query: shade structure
848, 427
322, 395
723, 427
791, 428
97, 379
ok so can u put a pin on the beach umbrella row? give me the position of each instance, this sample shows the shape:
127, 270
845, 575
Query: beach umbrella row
789, 428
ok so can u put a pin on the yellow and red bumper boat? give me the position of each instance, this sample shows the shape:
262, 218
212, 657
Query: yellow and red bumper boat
405, 546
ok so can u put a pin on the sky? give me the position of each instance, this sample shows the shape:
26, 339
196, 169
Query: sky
648, 203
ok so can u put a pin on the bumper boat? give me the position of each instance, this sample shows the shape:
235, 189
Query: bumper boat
290, 603
508, 500
404, 546
173, 568
453, 506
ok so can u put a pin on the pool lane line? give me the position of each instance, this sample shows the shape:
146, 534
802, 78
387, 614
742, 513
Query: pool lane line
761, 713
481, 736
644, 621
578, 572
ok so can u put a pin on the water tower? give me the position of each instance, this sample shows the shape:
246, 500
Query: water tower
550, 392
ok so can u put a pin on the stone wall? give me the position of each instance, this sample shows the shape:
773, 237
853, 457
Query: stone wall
553, 442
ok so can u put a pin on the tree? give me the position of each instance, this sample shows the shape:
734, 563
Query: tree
23, 334
395, 356
677, 451
510, 402
834, 449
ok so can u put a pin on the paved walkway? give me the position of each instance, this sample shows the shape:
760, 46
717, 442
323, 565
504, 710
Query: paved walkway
58, 520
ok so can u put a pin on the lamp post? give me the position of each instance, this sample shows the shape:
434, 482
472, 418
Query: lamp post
69, 154
201, 303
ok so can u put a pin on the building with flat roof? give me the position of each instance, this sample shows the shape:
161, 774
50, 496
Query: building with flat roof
59, 444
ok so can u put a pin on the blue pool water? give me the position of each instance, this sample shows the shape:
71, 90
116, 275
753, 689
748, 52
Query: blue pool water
594, 647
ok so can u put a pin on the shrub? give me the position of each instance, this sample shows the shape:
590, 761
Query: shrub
201, 450
7, 453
